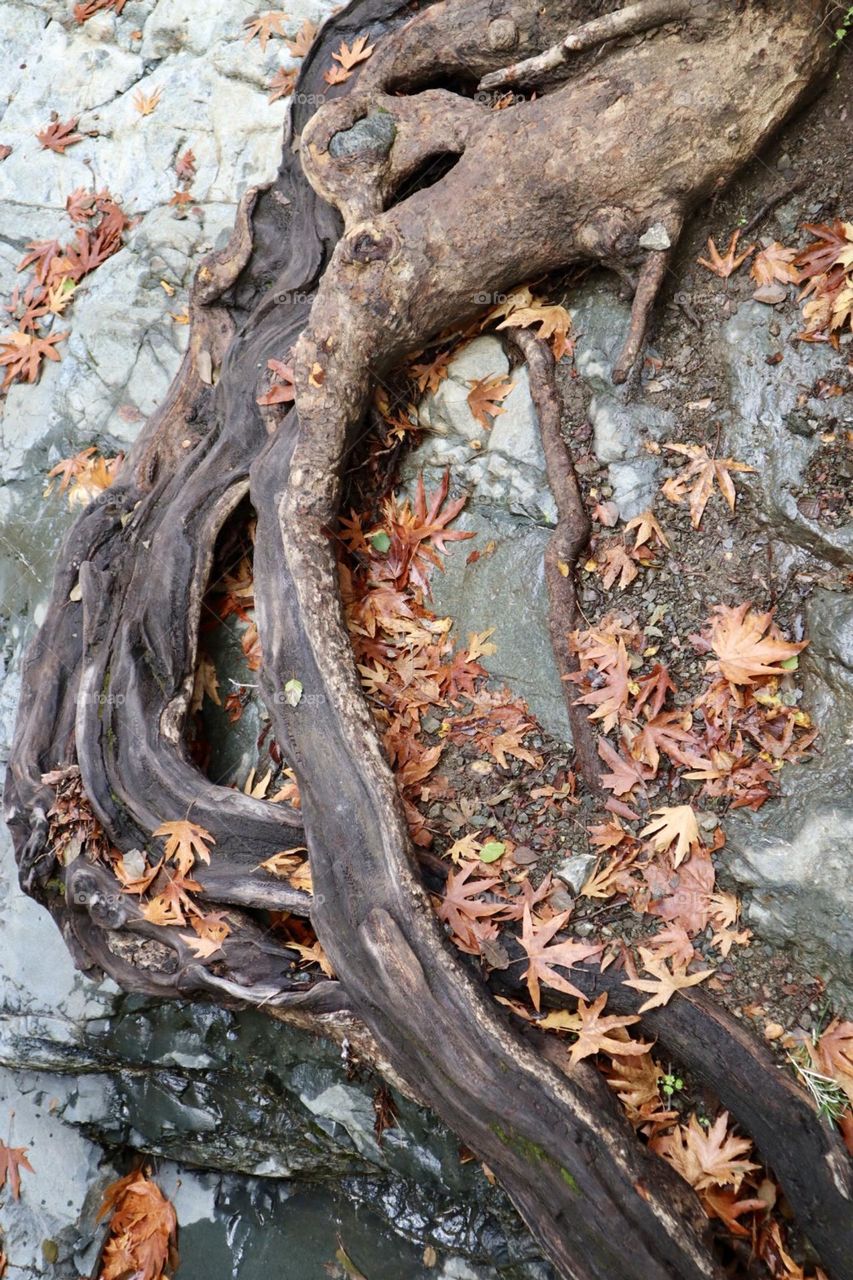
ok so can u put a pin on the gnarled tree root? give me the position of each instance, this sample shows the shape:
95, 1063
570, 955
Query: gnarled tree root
108, 681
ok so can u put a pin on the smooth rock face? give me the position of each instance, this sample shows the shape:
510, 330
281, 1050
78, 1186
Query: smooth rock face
511, 511
767, 428
797, 853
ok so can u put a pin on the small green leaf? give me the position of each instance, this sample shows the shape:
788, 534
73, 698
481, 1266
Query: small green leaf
790, 664
293, 692
380, 541
492, 850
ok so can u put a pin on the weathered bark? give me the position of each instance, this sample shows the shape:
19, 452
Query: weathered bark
637, 137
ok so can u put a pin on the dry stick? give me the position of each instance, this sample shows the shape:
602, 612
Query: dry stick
632, 20
568, 540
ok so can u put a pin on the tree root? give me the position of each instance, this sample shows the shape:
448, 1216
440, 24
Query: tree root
108, 680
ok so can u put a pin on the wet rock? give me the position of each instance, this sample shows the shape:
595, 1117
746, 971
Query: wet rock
620, 429
769, 427
796, 854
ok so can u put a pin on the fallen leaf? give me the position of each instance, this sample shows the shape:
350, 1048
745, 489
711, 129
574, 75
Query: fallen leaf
542, 957
58, 136
185, 841
676, 825
594, 1032
665, 981
706, 1157
729, 262
485, 397
775, 263
747, 645
12, 1161
265, 25
696, 480
146, 103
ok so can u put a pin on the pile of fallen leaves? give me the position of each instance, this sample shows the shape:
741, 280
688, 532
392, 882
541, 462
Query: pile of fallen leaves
143, 1231
823, 269
55, 272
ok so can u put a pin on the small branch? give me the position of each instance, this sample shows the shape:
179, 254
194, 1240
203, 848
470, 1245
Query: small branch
569, 539
630, 21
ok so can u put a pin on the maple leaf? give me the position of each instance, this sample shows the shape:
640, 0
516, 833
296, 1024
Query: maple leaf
170, 905
664, 982
746, 645
610, 700
595, 1033
817, 259
485, 397
706, 1158
686, 899
351, 57
302, 41
283, 389
729, 262
265, 25
636, 1082
554, 323
617, 563
775, 263
22, 354
80, 205
142, 1230
430, 375
59, 135
202, 948
185, 166
40, 255
696, 479
834, 1054
12, 1161
335, 75
313, 955
145, 103
282, 84
624, 775
185, 841
724, 1204
460, 910
543, 957
647, 528
285, 861
673, 942
668, 732
676, 825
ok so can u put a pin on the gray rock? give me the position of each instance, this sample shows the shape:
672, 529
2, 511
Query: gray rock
600, 320
657, 237
763, 422
796, 854
575, 871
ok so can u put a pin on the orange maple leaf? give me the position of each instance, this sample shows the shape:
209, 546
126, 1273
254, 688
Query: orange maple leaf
12, 1161
723, 265
542, 957
486, 396
747, 646
696, 480
185, 841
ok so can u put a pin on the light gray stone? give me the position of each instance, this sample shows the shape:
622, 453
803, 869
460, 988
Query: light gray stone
575, 871
657, 237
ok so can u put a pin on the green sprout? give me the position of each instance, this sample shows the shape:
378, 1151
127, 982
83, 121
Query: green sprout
671, 1084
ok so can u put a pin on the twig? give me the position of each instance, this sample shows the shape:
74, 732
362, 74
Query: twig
568, 540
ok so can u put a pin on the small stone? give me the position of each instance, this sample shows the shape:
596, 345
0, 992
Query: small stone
561, 901
657, 237
770, 294
574, 871
523, 855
